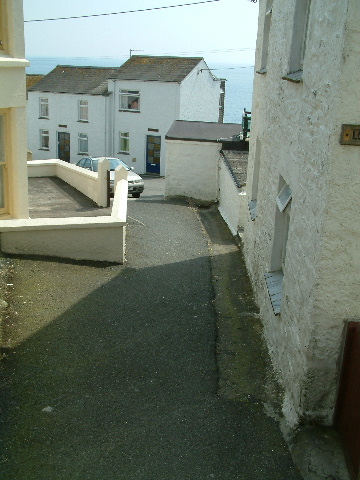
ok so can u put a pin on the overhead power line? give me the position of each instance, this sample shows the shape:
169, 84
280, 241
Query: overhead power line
120, 13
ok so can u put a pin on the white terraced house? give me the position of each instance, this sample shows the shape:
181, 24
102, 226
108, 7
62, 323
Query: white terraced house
121, 112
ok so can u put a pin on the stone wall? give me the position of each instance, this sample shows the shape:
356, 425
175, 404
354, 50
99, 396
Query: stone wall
296, 127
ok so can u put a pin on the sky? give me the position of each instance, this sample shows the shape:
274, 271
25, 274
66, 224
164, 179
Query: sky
221, 31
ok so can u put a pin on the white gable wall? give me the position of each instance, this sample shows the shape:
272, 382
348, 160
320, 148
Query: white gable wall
63, 110
295, 138
200, 95
192, 170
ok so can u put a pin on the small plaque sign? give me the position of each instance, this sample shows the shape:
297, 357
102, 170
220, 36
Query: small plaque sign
350, 135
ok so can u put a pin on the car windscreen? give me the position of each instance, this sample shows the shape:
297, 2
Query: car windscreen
115, 163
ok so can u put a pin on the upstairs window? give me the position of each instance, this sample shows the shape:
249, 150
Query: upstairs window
298, 42
83, 144
124, 142
266, 36
130, 100
44, 108
83, 111
44, 140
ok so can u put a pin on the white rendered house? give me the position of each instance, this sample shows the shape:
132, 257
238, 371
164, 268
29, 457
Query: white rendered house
13, 148
301, 238
122, 112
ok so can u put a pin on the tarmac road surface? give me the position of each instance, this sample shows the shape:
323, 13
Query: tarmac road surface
146, 371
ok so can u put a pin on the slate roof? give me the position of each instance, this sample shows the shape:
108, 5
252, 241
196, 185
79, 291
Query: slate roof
157, 69
31, 79
203, 131
75, 80
237, 162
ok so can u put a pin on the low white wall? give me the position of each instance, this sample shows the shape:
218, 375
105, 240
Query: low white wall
232, 200
191, 169
78, 238
91, 184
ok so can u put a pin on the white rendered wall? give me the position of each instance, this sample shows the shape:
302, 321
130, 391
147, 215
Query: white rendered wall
12, 106
200, 95
159, 107
232, 200
63, 110
196, 98
191, 170
299, 125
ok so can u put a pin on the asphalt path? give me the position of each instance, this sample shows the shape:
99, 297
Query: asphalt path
130, 372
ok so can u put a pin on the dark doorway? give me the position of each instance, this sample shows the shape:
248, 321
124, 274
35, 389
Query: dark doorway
347, 414
153, 147
64, 146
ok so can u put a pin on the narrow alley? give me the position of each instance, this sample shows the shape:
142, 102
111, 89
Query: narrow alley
127, 372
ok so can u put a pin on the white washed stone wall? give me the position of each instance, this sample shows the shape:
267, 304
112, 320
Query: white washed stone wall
191, 170
232, 200
299, 128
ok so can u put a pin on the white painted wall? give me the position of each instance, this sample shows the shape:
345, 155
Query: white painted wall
191, 170
196, 98
78, 238
12, 106
232, 200
199, 98
63, 110
299, 125
158, 109
92, 184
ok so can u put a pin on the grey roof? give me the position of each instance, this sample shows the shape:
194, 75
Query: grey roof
237, 163
76, 80
203, 131
157, 69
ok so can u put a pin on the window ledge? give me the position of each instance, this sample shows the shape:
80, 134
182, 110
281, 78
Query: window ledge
46, 149
7, 61
83, 121
262, 71
129, 111
44, 118
274, 283
295, 77
252, 209
123, 153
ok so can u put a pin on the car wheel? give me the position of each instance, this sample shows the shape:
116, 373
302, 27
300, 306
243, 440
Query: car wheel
136, 195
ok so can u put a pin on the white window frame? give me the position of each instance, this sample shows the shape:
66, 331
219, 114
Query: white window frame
274, 278
124, 141
44, 134
83, 140
284, 197
126, 97
83, 108
43, 107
